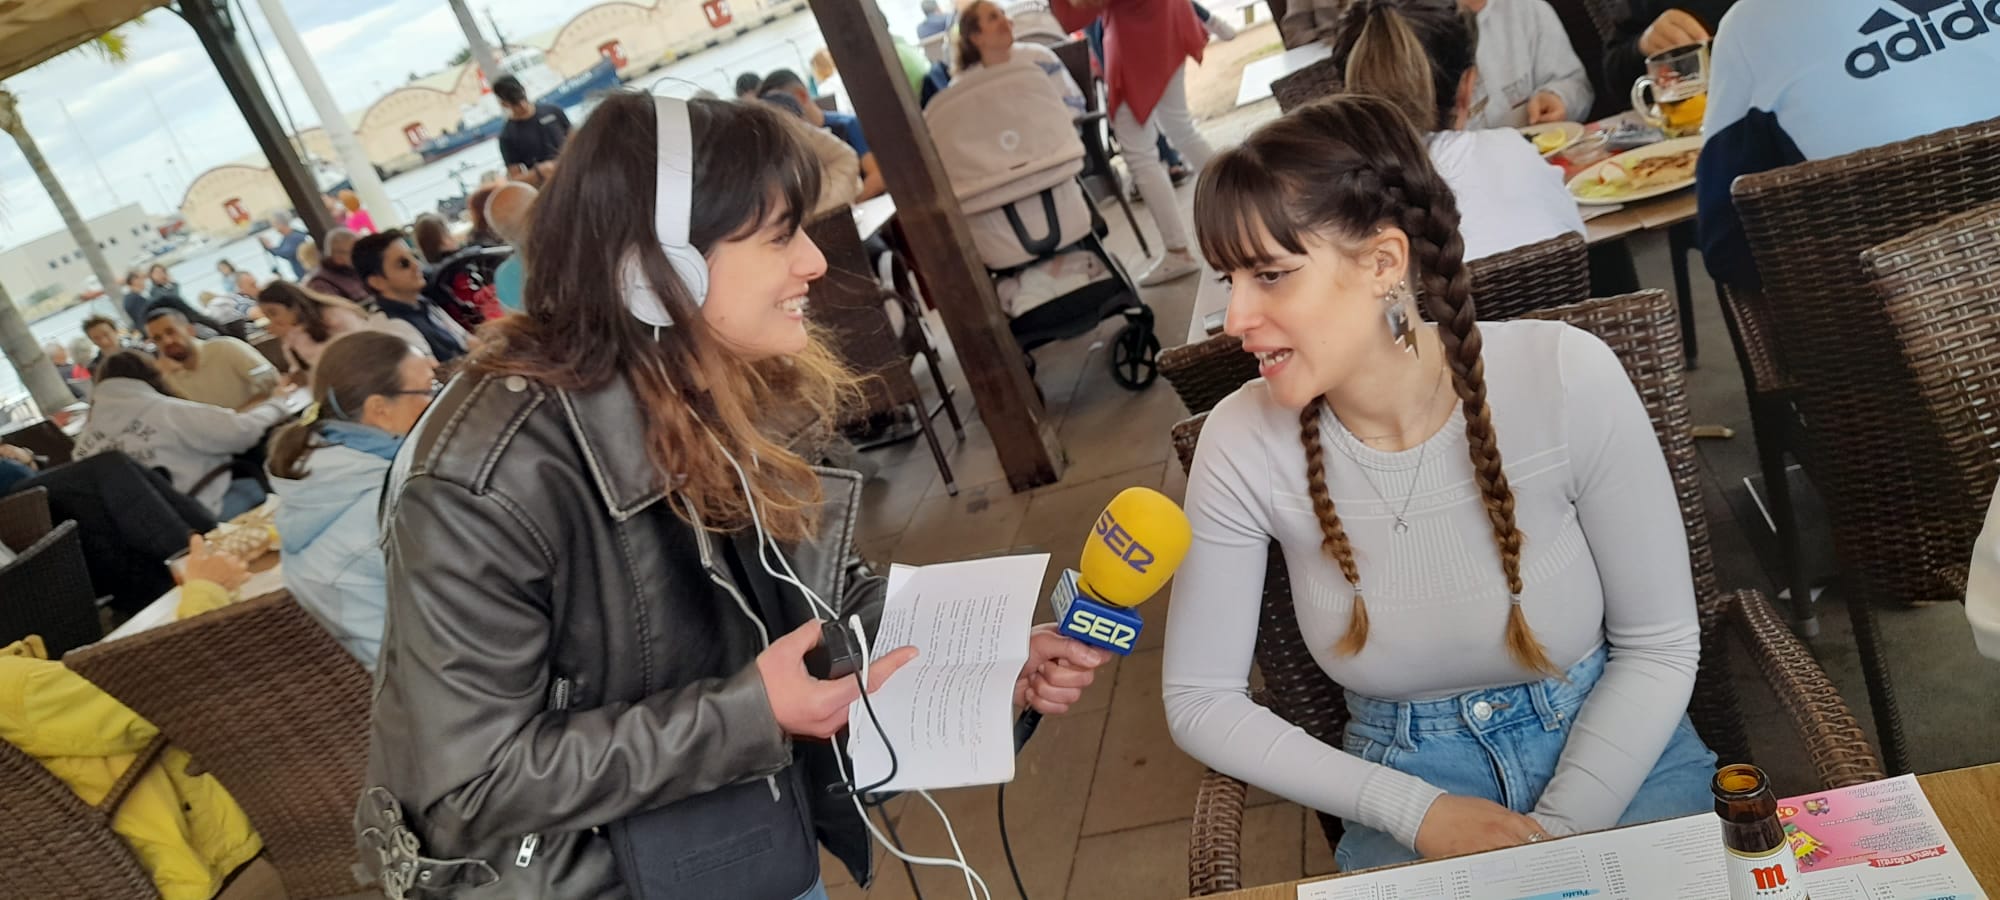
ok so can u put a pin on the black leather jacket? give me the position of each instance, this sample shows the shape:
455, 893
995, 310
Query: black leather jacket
562, 651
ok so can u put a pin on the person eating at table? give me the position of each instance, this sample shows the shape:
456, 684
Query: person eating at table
1787, 83
221, 371
134, 410
1419, 55
1528, 72
1656, 26
1482, 536
368, 391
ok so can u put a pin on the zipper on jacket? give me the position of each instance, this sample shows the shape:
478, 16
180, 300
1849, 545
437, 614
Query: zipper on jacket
708, 565
530, 842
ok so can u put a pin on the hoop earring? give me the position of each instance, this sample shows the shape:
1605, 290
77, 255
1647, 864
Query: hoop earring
1399, 311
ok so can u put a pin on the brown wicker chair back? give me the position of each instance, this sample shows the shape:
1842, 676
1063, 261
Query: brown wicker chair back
1309, 83
1542, 275
266, 701
46, 591
1506, 285
62, 848
1203, 373
24, 518
1941, 288
1644, 330
1877, 456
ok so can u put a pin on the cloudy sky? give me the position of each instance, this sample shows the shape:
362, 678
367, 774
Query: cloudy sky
106, 126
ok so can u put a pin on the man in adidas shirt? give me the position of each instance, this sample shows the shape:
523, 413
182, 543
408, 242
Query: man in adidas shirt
1796, 80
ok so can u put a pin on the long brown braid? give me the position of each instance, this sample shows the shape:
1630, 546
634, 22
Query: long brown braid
1345, 167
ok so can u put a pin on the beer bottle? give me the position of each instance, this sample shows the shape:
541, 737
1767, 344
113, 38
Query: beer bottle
1761, 864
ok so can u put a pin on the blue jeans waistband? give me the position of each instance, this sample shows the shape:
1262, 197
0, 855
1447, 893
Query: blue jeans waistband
1547, 703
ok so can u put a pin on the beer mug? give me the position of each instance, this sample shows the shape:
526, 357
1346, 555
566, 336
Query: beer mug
1678, 79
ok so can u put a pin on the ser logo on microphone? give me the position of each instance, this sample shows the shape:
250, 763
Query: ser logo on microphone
1103, 631
1122, 543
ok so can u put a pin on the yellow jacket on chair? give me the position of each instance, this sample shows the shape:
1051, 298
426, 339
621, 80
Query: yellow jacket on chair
185, 829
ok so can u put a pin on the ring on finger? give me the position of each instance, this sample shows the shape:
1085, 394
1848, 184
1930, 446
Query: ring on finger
1538, 837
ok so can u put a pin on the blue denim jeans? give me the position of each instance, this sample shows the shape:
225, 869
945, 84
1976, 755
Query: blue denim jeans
1502, 744
818, 892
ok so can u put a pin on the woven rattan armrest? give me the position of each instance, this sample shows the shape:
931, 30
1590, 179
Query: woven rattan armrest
1833, 740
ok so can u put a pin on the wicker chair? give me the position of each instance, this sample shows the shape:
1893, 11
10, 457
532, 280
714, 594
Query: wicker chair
1942, 294
1309, 83
46, 591
1536, 276
1644, 329
24, 518
70, 851
266, 701
1878, 455
1505, 286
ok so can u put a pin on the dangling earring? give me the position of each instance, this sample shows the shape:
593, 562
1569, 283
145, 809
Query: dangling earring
1399, 310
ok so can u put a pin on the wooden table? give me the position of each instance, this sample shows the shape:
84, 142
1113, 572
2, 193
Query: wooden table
1967, 802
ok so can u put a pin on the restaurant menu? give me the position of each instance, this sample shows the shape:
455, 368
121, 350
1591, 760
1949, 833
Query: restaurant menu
1877, 841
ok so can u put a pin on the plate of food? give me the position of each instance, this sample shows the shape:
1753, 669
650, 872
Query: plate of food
1551, 138
1649, 171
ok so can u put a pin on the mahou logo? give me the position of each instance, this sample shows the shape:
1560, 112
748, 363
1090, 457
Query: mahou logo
1905, 40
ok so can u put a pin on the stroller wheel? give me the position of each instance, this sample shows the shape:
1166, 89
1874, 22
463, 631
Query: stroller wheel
1134, 357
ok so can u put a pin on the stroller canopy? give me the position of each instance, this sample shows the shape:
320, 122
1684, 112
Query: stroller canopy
1003, 134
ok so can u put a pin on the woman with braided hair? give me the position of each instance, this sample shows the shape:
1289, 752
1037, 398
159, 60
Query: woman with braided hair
1484, 545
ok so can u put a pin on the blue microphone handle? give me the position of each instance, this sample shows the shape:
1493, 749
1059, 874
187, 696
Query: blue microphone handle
1084, 618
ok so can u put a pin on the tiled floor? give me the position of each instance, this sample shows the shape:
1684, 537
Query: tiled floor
1100, 804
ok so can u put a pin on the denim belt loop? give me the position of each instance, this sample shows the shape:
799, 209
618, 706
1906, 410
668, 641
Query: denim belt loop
1404, 739
1552, 720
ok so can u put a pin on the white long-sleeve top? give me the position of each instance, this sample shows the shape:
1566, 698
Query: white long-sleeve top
1523, 50
187, 439
1604, 559
1982, 585
1507, 195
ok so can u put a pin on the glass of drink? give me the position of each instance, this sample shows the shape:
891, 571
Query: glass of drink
1678, 80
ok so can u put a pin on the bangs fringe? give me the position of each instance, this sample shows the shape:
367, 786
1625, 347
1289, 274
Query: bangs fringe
1238, 197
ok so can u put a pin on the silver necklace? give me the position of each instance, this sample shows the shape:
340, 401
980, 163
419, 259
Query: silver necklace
1402, 525
1417, 474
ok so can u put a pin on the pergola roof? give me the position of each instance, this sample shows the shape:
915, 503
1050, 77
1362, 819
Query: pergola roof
34, 31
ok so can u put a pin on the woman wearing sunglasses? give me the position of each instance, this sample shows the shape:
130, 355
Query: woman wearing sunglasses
369, 390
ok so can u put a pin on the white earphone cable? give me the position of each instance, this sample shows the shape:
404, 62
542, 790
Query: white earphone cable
975, 886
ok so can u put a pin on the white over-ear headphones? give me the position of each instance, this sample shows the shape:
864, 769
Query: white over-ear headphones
673, 210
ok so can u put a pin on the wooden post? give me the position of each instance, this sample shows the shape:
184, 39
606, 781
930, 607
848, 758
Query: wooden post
937, 234
213, 24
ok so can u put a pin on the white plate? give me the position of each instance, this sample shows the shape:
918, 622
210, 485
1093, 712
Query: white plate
1626, 159
1571, 132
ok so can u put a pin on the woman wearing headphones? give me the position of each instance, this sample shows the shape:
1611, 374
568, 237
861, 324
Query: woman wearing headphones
1484, 545
606, 579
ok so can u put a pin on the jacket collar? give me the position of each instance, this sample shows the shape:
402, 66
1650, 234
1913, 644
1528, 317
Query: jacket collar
606, 423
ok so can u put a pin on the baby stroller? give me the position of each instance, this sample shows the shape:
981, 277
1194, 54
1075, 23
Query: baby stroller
1011, 150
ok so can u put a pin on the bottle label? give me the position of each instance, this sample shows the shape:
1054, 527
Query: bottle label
1766, 876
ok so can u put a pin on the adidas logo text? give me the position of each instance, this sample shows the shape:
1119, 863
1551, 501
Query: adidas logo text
1920, 37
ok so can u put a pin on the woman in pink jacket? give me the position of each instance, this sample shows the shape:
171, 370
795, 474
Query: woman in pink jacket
1146, 44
